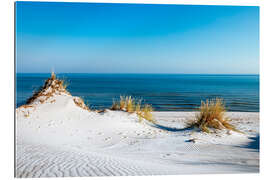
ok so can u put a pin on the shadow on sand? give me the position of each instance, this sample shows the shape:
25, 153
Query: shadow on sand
254, 144
171, 129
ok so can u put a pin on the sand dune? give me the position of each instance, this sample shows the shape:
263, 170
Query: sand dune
57, 138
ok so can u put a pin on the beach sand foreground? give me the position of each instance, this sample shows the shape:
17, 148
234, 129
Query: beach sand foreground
57, 138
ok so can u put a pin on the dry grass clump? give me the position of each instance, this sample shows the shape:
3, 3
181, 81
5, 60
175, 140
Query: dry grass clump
129, 104
25, 106
79, 102
138, 107
212, 115
146, 113
52, 101
115, 106
51, 86
122, 103
126, 103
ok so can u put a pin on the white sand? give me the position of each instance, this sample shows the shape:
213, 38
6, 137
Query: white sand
58, 138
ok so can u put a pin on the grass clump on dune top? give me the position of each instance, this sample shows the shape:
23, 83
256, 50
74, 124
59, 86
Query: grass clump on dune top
51, 86
129, 104
212, 115
54, 86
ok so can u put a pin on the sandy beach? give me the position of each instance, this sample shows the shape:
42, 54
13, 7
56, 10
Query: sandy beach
135, 88
57, 138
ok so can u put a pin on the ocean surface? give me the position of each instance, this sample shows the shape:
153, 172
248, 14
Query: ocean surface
166, 92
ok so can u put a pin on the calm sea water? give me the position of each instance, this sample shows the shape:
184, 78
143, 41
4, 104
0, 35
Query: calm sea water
166, 92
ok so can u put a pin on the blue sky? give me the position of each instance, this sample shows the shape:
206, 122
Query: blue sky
136, 38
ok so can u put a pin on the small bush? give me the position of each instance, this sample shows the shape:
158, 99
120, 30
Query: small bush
212, 115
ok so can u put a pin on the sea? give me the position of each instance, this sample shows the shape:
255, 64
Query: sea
165, 92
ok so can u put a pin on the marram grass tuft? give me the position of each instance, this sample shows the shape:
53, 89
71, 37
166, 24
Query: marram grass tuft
212, 115
129, 104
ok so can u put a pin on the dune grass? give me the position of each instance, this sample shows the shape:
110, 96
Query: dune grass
80, 102
126, 103
51, 86
131, 105
138, 106
122, 103
115, 106
212, 115
146, 113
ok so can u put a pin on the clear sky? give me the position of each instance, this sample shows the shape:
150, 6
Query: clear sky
136, 38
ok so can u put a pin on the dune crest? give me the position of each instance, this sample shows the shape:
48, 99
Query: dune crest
50, 92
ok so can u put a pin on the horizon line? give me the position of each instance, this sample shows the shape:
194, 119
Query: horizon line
140, 73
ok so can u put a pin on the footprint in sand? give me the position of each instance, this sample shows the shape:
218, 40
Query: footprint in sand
100, 133
166, 155
108, 138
